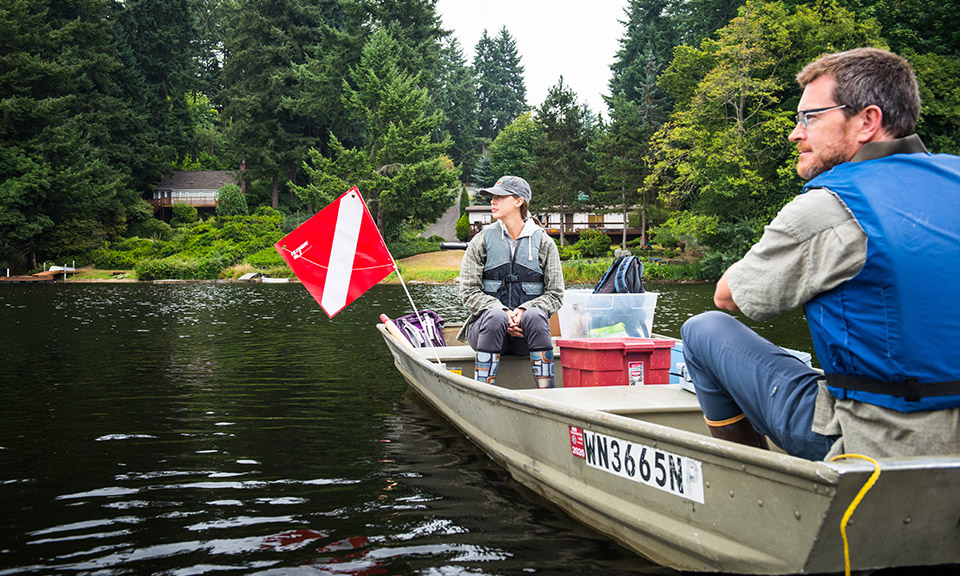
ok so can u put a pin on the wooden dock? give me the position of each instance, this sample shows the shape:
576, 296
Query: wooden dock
46, 277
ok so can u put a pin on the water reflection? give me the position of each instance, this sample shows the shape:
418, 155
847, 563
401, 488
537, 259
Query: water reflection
234, 428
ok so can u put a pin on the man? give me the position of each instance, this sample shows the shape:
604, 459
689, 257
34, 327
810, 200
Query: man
872, 250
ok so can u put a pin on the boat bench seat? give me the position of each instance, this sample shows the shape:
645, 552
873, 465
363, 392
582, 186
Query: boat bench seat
625, 399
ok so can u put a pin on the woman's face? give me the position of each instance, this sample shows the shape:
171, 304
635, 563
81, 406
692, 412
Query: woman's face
503, 206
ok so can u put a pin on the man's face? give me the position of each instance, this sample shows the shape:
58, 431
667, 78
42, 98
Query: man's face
829, 138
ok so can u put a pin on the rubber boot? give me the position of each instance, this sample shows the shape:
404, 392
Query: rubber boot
740, 430
485, 367
542, 364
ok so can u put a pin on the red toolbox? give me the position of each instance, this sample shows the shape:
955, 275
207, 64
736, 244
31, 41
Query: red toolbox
614, 361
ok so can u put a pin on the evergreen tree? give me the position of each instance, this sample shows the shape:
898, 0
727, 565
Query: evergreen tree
160, 37
400, 169
266, 39
501, 92
458, 102
317, 96
482, 175
70, 134
562, 168
645, 50
620, 152
415, 26
514, 150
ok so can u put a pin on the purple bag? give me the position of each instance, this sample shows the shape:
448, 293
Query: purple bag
429, 333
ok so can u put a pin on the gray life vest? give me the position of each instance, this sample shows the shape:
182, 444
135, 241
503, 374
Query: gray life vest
512, 280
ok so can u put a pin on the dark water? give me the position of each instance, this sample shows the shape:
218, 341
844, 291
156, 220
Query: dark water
234, 429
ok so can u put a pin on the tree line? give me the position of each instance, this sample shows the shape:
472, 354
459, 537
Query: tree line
100, 98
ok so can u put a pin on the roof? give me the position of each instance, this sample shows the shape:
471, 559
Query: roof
197, 180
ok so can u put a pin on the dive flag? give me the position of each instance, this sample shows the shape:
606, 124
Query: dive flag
338, 254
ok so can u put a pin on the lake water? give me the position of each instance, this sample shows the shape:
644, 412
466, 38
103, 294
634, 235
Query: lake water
234, 429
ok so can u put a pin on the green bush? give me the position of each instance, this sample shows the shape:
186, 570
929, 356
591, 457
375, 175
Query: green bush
266, 258
150, 228
585, 271
180, 268
463, 228
568, 253
464, 200
593, 243
231, 201
183, 214
124, 254
406, 247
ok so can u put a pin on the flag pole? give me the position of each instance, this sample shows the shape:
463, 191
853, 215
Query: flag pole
415, 310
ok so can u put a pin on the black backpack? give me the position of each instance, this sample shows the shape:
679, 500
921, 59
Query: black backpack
624, 276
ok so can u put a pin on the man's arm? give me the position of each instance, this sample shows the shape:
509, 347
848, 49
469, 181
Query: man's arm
813, 245
722, 297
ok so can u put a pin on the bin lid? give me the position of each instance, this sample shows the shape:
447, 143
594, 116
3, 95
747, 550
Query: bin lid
622, 343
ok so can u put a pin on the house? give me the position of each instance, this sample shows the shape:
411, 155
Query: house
609, 223
198, 188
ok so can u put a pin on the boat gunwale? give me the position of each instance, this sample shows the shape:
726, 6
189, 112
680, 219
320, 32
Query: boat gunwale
817, 471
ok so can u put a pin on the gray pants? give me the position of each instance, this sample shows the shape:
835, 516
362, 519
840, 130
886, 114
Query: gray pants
488, 333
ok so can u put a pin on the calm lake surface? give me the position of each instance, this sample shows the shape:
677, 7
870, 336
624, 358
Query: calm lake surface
234, 429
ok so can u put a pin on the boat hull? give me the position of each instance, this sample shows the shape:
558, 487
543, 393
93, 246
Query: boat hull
703, 504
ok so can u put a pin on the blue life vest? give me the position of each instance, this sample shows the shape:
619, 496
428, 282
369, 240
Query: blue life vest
512, 279
889, 335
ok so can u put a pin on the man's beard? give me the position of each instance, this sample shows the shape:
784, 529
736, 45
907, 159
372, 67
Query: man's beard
822, 165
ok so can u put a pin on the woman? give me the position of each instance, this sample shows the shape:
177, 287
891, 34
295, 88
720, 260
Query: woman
511, 282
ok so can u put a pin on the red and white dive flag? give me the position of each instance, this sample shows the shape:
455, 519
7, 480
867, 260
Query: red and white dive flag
338, 254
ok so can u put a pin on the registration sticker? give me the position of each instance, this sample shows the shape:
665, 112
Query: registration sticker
678, 475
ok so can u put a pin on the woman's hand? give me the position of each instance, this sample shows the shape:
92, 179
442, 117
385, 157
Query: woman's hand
513, 326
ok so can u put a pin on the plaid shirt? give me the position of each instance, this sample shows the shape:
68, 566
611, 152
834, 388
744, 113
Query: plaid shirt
471, 278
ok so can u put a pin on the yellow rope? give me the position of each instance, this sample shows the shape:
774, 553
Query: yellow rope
853, 505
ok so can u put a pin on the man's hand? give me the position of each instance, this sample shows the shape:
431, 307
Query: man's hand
513, 326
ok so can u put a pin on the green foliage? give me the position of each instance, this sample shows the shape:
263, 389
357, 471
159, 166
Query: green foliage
482, 175
458, 92
464, 200
569, 252
513, 151
411, 246
724, 153
125, 253
578, 271
940, 115
266, 258
200, 250
563, 166
463, 228
181, 268
183, 214
501, 93
731, 242
231, 201
150, 228
592, 243
401, 171
264, 45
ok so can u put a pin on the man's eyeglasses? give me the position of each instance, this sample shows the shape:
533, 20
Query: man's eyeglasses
803, 116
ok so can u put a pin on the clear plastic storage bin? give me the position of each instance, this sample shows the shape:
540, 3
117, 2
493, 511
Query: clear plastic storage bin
588, 315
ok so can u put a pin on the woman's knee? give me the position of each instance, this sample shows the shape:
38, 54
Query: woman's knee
533, 319
493, 320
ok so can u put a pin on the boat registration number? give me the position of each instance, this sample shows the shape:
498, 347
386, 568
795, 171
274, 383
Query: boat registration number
673, 473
